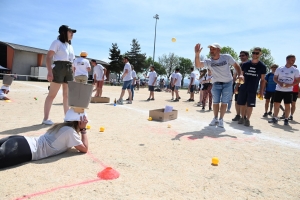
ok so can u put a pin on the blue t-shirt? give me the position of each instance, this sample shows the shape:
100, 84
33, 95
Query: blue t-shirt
271, 85
252, 74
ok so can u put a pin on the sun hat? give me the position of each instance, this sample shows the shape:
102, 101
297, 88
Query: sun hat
71, 115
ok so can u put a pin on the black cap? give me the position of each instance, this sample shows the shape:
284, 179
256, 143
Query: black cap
125, 57
65, 28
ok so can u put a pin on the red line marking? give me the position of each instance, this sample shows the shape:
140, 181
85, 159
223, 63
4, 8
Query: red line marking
95, 159
57, 188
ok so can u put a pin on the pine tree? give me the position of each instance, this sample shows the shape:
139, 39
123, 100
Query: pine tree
136, 58
116, 64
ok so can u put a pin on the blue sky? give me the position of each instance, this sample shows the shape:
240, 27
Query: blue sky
273, 24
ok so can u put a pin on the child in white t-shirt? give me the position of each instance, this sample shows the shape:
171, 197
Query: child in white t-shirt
3, 92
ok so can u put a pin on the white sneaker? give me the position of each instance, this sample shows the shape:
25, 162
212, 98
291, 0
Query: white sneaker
221, 123
129, 102
47, 122
213, 122
120, 101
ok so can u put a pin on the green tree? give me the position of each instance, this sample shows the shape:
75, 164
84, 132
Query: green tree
185, 66
116, 64
266, 57
169, 62
227, 50
158, 68
136, 58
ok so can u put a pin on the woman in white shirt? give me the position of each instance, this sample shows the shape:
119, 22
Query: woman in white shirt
17, 149
60, 72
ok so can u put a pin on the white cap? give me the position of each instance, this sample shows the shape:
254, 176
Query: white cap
215, 45
71, 115
5, 87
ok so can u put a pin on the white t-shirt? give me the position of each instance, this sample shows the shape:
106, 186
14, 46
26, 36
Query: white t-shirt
51, 144
173, 77
152, 76
220, 68
128, 77
193, 75
63, 51
81, 65
133, 74
99, 70
286, 75
178, 78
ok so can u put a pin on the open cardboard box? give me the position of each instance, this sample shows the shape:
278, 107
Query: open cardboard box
160, 115
100, 100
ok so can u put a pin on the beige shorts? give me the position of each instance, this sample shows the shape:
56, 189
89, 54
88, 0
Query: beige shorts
81, 79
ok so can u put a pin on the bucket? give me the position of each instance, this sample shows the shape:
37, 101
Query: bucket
80, 94
7, 79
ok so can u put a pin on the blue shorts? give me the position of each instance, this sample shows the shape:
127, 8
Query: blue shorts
151, 88
246, 97
177, 87
221, 92
126, 85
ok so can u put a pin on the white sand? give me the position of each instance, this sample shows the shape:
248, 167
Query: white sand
154, 162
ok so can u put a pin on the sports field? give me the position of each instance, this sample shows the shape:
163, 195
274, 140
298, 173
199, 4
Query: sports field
154, 161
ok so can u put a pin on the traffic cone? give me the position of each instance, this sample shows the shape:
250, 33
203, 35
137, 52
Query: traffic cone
108, 174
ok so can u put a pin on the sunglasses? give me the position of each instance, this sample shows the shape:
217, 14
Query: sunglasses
255, 53
242, 55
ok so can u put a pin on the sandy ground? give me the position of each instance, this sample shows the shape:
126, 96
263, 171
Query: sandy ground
154, 161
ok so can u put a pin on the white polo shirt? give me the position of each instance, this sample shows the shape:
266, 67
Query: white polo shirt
286, 75
133, 74
128, 76
193, 75
178, 78
98, 70
81, 66
63, 51
152, 76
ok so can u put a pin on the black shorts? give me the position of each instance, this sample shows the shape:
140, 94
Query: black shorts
270, 95
246, 97
295, 96
151, 88
62, 72
236, 96
286, 96
192, 88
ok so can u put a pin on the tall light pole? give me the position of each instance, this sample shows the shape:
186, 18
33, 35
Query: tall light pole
156, 17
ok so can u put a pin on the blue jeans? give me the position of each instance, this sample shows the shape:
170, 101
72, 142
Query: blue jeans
126, 85
132, 90
221, 92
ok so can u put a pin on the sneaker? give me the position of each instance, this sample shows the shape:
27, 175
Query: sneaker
148, 99
286, 122
236, 118
127, 99
241, 120
172, 99
120, 101
210, 108
203, 108
176, 99
265, 115
228, 111
247, 122
273, 120
152, 99
47, 122
290, 118
283, 116
129, 102
199, 104
221, 123
179, 97
270, 113
191, 100
213, 122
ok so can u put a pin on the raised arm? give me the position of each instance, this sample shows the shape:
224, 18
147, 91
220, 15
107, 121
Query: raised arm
198, 50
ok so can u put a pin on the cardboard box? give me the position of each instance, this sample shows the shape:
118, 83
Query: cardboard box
100, 100
160, 115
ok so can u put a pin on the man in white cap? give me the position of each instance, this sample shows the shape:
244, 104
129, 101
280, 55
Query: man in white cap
219, 64
81, 68
3, 91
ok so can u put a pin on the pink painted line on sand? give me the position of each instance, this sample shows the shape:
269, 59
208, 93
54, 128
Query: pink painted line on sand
95, 159
58, 188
